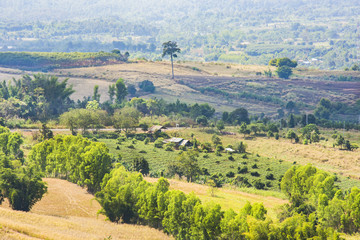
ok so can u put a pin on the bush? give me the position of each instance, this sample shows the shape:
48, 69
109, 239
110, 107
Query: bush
254, 166
231, 158
147, 86
242, 170
131, 146
255, 174
270, 176
230, 174
159, 143
258, 184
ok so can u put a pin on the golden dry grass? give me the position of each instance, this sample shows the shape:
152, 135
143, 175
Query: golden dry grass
67, 212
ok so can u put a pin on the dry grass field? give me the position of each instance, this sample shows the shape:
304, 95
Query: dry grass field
67, 212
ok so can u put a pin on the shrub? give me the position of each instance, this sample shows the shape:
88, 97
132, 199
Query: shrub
242, 170
159, 143
231, 158
254, 166
131, 146
270, 176
230, 174
255, 174
258, 184
147, 86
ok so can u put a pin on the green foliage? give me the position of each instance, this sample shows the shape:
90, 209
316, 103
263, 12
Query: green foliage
305, 186
120, 91
22, 187
239, 116
84, 119
126, 119
50, 60
10, 144
147, 86
126, 197
140, 165
220, 125
284, 72
202, 121
37, 97
76, 159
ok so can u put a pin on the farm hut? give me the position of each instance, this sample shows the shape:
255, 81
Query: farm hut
178, 142
156, 128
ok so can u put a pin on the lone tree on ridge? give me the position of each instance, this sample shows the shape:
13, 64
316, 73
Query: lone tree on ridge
170, 48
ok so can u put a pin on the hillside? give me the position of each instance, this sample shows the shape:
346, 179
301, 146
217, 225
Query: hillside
68, 212
224, 86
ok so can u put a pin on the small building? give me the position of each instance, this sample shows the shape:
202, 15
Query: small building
156, 128
229, 150
178, 142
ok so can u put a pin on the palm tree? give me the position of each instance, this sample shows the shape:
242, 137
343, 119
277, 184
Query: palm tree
170, 48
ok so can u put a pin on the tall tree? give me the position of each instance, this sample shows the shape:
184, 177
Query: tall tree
96, 95
170, 48
120, 90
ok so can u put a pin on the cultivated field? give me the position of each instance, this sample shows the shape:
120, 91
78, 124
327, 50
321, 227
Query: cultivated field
322, 154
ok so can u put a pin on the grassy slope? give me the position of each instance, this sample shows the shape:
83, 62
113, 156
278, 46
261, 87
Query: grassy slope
67, 212
321, 155
159, 158
231, 78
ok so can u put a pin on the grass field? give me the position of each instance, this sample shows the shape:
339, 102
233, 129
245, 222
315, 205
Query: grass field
322, 154
67, 212
159, 159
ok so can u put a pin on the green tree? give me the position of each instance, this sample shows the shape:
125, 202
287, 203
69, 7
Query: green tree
239, 116
216, 140
202, 121
189, 164
243, 129
291, 135
111, 92
147, 86
120, 91
170, 48
284, 72
139, 164
96, 95
220, 125
126, 119
131, 89
22, 187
